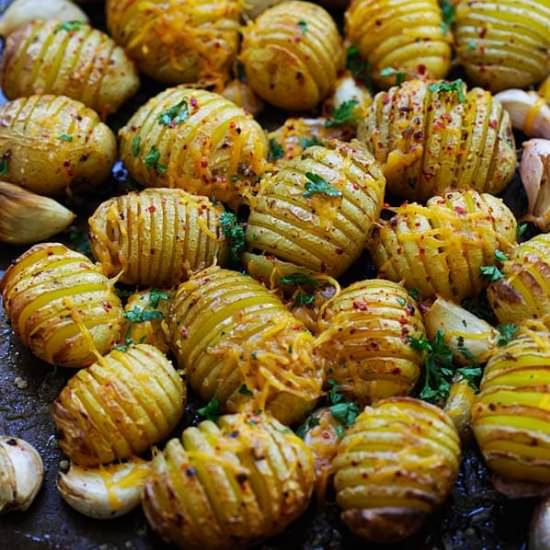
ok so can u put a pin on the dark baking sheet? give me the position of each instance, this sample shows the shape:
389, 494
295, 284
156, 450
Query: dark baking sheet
474, 518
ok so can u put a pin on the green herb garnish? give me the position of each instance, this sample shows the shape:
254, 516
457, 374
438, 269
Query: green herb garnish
507, 333
317, 184
491, 272
305, 143
152, 159
448, 12
414, 294
303, 26
244, 390
175, 115
456, 86
211, 411
341, 409
4, 166
303, 299
309, 424
136, 145
399, 75
344, 114
140, 315
298, 279
156, 295
65, 137
522, 229
500, 256
276, 150
69, 26
234, 232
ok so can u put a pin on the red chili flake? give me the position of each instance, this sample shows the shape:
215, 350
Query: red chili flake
460, 210
152, 209
493, 124
421, 69
107, 306
360, 305
184, 333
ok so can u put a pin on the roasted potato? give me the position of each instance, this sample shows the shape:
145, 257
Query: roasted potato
317, 210
400, 39
157, 237
178, 41
61, 305
544, 90
364, 340
430, 138
119, 407
394, 466
198, 141
441, 248
524, 290
504, 44
70, 59
229, 485
511, 418
292, 54
240, 346
253, 8
50, 144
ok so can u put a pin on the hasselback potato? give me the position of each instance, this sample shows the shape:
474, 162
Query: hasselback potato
510, 418
364, 340
229, 485
401, 38
71, 59
178, 41
157, 237
118, 407
195, 140
292, 54
440, 248
61, 305
317, 210
524, 291
503, 44
394, 466
430, 138
239, 345
50, 144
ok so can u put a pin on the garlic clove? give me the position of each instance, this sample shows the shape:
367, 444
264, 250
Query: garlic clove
528, 112
534, 170
242, 95
349, 89
106, 491
539, 534
21, 474
27, 218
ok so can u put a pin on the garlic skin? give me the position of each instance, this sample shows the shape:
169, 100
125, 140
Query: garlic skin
21, 474
539, 533
21, 12
534, 170
27, 218
528, 112
106, 491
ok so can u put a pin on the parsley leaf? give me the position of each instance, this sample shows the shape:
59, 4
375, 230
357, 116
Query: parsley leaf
358, 67
156, 295
522, 229
491, 272
309, 424
298, 279
136, 145
317, 184
341, 409
152, 159
399, 75
500, 256
507, 333
128, 343
344, 114
211, 411
472, 375
140, 315
303, 299
309, 142
234, 232
471, 45
303, 26
414, 293
175, 115
65, 137
448, 12
69, 26
79, 241
244, 390
4, 166
276, 150
457, 86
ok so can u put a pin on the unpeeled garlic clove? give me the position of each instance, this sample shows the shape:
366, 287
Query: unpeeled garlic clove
528, 112
349, 89
534, 170
21, 474
27, 218
539, 534
106, 491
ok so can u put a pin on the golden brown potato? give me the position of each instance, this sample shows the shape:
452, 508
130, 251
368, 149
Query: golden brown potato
197, 141
434, 137
178, 41
544, 90
394, 466
240, 346
511, 418
292, 54
442, 247
157, 237
503, 44
317, 210
119, 407
241, 94
61, 305
50, 144
364, 340
70, 59
400, 38
524, 290
230, 485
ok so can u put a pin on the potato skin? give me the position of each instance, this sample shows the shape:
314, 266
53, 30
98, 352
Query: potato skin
119, 407
177, 41
50, 144
157, 237
364, 340
218, 150
428, 142
61, 305
229, 485
394, 466
404, 35
524, 292
43, 57
318, 232
292, 54
439, 248
229, 331
510, 418
503, 44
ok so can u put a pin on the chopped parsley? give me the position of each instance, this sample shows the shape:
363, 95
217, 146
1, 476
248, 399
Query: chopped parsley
304, 299
448, 12
500, 256
276, 150
522, 229
303, 26
491, 272
156, 295
128, 343
211, 411
317, 184
70, 26
414, 293
152, 159
244, 390
341, 409
65, 137
234, 232
401, 301
507, 333
471, 45
456, 86
358, 67
136, 145
140, 315
344, 114
399, 75
79, 241
309, 424
4, 166
175, 115
298, 279
305, 143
